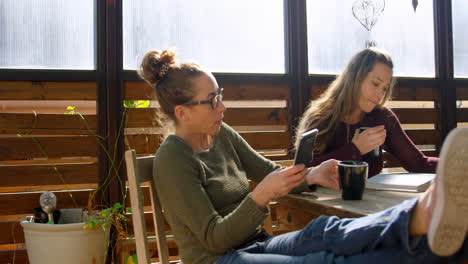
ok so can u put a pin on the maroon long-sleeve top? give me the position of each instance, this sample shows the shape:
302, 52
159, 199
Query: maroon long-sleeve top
397, 143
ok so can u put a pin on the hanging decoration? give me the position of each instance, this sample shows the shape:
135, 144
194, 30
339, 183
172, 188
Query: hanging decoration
367, 13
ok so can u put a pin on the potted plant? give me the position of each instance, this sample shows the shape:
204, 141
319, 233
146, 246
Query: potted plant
73, 241
82, 235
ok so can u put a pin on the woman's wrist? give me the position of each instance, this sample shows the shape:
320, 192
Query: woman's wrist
312, 176
259, 199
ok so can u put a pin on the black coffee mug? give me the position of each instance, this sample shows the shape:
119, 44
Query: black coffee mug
372, 153
353, 177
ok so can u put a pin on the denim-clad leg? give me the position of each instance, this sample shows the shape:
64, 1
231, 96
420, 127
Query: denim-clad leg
381, 237
348, 236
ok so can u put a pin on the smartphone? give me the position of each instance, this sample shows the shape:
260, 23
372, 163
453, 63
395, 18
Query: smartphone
305, 150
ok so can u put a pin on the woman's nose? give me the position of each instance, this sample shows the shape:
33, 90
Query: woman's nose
380, 94
221, 107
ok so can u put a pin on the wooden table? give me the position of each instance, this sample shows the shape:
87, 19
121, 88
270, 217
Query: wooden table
294, 211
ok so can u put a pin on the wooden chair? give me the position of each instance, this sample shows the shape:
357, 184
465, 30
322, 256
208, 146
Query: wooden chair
140, 170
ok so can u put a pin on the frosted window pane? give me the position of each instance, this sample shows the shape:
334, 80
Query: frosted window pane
224, 36
334, 35
47, 34
460, 37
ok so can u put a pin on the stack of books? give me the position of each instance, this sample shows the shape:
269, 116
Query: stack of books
407, 182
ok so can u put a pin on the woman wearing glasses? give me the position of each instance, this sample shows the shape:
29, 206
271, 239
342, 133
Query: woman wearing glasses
201, 172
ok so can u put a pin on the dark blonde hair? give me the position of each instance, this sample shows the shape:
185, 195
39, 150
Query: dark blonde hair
341, 96
172, 82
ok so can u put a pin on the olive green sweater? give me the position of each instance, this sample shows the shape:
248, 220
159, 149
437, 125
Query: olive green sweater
206, 195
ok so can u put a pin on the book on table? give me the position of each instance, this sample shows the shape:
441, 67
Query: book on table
408, 182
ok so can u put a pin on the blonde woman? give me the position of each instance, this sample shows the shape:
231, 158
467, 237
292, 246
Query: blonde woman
201, 173
357, 99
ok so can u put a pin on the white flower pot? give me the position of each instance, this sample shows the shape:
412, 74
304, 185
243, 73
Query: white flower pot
64, 243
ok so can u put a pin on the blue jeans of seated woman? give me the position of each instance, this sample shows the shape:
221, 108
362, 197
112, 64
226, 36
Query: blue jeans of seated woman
378, 238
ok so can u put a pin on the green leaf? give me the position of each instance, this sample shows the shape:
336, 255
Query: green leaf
132, 259
116, 207
90, 224
105, 213
129, 103
136, 103
142, 104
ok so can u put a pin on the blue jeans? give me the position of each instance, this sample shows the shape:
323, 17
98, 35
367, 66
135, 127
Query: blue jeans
378, 238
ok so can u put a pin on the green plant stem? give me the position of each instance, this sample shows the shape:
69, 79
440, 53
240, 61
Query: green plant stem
114, 168
44, 153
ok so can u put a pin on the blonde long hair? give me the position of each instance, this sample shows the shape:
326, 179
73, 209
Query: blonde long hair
341, 96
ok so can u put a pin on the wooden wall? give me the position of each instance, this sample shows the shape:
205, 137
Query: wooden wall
415, 104
258, 111
31, 142
259, 108
25, 172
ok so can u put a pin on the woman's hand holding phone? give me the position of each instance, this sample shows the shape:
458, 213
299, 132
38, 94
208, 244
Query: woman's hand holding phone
278, 183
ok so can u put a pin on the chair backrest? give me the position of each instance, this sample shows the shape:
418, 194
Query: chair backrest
139, 170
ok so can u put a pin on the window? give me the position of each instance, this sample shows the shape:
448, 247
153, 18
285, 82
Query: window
334, 35
47, 34
223, 36
460, 38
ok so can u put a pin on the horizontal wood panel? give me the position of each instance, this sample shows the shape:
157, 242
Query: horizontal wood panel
414, 93
54, 161
424, 137
48, 124
24, 203
462, 93
27, 90
462, 115
148, 144
57, 146
268, 140
44, 188
144, 117
255, 91
232, 91
140, 117
127, 247
256, 116
143, 144
400, 93
11, 232
138, 91
317, 89
19, 256
31, 175
390, 161
149, 224
417, 115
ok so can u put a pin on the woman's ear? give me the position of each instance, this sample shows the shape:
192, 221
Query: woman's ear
180, 112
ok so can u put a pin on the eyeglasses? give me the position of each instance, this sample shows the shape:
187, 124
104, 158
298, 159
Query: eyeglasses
214, 101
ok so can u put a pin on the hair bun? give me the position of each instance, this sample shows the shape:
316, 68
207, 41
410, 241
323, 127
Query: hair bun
156, 65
